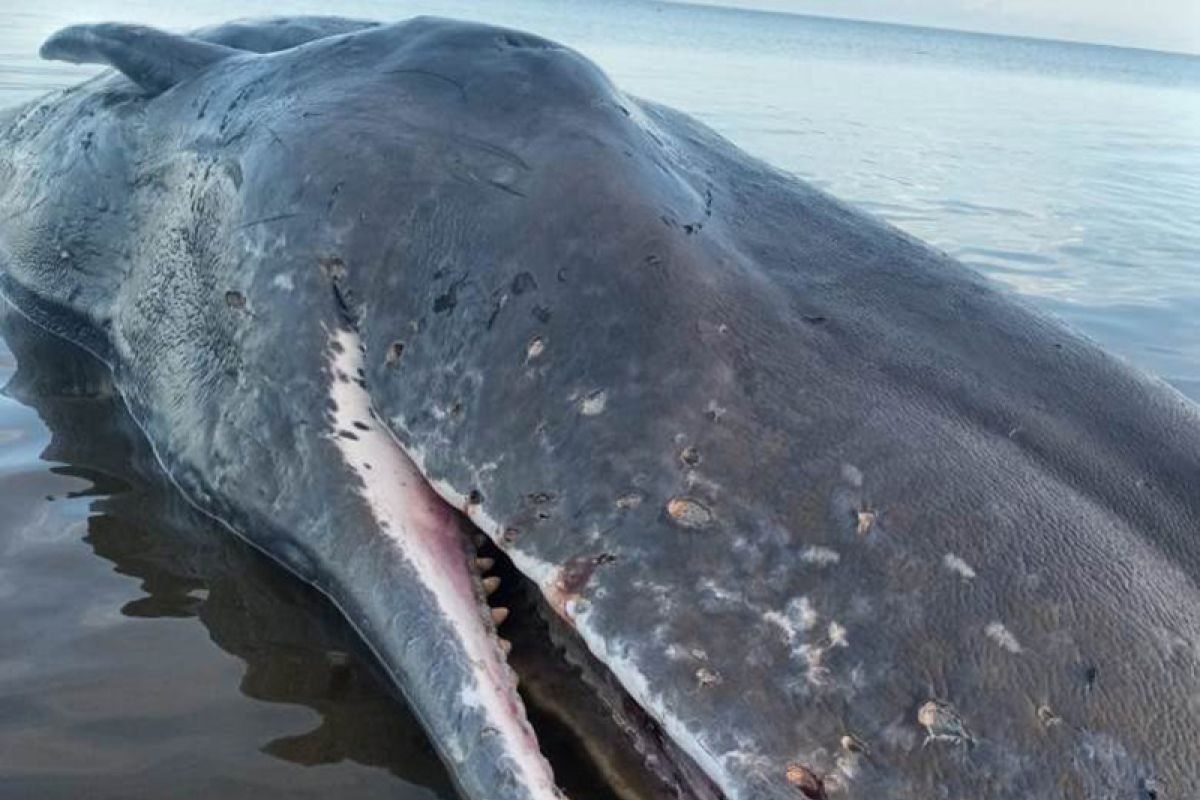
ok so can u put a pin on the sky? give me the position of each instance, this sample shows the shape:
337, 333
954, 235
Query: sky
1156, 24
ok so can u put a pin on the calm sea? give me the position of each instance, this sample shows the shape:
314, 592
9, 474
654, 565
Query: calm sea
145, 655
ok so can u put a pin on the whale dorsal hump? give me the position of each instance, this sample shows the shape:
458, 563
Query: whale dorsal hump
155, 60
279, 33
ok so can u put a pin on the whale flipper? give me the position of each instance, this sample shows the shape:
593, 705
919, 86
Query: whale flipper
155, 60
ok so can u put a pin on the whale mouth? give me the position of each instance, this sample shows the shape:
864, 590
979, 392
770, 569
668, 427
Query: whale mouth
542, 691
598, 739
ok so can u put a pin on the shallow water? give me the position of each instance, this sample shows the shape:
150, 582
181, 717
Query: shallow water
143, 653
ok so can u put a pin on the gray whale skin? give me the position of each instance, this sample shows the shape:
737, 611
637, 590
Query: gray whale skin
810, 509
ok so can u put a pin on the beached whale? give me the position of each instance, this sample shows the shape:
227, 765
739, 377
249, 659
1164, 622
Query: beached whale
811, 509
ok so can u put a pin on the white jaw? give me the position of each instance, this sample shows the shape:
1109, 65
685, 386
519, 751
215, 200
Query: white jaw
428, 534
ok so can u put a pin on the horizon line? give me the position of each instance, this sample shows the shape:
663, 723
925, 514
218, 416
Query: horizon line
721, 6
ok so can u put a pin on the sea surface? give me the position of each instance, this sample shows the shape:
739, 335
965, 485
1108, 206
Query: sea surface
145, 654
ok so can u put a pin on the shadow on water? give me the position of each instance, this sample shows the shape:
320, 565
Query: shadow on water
111, 724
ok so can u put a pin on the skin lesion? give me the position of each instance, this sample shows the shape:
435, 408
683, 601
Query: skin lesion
689, 513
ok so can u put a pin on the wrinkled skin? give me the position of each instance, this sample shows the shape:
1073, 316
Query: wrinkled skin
787, 472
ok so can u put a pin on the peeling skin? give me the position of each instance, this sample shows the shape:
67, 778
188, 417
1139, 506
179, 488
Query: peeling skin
1047, 717
536, 347
628, 501
593, 403
820, 556
852, 475
429, 536
998, 633
956, 564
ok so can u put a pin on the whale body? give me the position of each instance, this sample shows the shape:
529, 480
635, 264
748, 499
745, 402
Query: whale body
809, 508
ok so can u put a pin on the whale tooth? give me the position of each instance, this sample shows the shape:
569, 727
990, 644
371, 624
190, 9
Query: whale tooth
491, 584
485, 564
505, 646
499, 614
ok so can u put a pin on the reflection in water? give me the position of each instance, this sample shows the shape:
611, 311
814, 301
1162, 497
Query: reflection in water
295, 647
87, 692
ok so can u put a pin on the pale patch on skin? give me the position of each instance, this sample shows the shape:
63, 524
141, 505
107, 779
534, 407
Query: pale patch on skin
852, 475
428, 537
847, 766
534, 350
899, 735
718, 592
820, 556
677, 652
1003, 637
283, 281
800, 609
593, 403
813, 654
956, 564
797, 616
837, 635
629, 500
706, 677
440, 413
